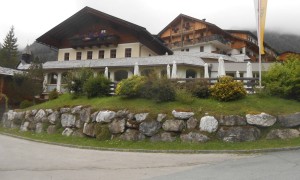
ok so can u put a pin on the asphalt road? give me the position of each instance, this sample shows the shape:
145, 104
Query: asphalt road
22, 159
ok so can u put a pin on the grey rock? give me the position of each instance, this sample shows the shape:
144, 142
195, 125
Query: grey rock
19, 116
117, 126
194, 137
7, 119
68, 120
67, 132
24, 126
76, 109
149, 128
141, 117
48, 111
31, 126
130, 116
53, 117
232, 120
78, 133
291, 120
88, 129
164, 137
191, 123
208, 124
40, 115
173, 125
85, 115
132, 124
132, 135
182, 115
262, 120
238, 134
11, 115
161, 117
94, 116
28, 115
65, 110
79, 124
33, 112
38, 127
283, 134
51, 129
105, 116
122, 114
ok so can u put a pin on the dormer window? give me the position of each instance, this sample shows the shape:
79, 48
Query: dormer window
67, 56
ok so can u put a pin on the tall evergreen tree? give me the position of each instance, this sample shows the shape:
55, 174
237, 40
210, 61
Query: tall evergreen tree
9, 51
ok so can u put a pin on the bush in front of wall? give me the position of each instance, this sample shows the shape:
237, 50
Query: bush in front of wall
25, 104
163, 90
98, 86
198, 88
226, 89
183, 96
131, 87
53, 94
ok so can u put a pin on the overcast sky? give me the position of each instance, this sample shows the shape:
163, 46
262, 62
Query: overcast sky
32, 18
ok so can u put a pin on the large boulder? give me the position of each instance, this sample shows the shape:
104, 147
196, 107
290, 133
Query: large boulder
122, 114
24, 126
85, 115
208, 124
132, 135
40, 116
191, 123
238, 134
38, 128
141, 117
164, 137
48, 111
105, 116
117, 126
78, 133
93, 116
291, 120
161, 117
194, 137
68, 120
182, 115
53, 117
283, 134
149, 128
76, 109
65, 110
173, 125
88, 129
232, 120
51, 129
67, 132
262, 120
28, 115
5, 119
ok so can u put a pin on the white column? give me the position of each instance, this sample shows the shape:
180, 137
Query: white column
112, 76
45, 83
58, 85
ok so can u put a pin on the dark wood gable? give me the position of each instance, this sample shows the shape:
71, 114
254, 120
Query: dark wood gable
90, 27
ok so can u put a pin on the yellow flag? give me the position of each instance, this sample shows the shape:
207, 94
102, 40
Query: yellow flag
261, 13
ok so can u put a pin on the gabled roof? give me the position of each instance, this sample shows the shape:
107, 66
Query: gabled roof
9, 71
89, 15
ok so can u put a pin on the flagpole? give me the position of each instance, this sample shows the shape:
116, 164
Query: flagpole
259, 42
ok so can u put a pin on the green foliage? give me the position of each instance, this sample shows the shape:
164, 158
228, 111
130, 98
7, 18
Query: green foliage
25, 104
226, 89
53, 94
97, 86
198, 88
163, 90
131, 87
283, 79
9, 51
185, 97
75, 80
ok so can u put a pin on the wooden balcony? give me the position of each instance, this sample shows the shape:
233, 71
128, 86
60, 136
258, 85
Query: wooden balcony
90, 41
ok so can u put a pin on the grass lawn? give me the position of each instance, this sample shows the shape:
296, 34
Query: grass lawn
251, 104
147, 145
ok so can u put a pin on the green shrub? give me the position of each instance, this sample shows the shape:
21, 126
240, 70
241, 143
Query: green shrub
163, 90
226, 89
184, 96
25, 104
98, 86
198, 88
75, 80
131, 87
283, 79
53, 94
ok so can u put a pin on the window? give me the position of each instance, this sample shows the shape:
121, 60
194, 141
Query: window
190, 73
52, 78
101, 54
113, 53
90, 55
201, 48
78, 55
67, 56
121, 74
128, 52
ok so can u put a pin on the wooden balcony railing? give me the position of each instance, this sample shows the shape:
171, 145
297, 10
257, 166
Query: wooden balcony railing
89, 41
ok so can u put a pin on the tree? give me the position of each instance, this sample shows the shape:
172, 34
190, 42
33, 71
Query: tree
9, 51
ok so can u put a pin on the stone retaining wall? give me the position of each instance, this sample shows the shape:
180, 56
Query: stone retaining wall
105, 124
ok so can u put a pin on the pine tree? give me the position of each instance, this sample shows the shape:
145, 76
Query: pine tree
9, 51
